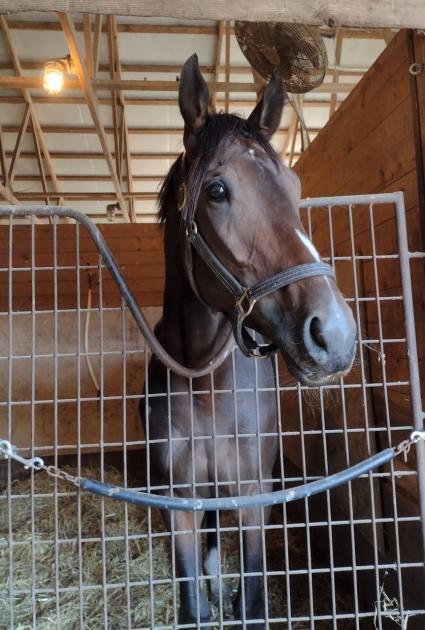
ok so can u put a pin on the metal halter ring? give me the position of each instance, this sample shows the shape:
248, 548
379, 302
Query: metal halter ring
245, 310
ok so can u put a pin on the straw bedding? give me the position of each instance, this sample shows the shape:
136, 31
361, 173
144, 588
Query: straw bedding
106, 583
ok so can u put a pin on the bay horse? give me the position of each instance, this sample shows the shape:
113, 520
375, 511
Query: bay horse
230, 208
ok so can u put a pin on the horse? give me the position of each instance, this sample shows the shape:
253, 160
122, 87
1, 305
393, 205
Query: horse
237, 259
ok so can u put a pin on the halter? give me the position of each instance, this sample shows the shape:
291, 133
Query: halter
245, 297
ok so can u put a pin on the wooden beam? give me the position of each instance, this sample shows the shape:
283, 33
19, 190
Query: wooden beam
40, 166
172, 68
28, 99
291, 132
99, 155
227, 71
21, 83
88, 196
114, 95
3, 165
133, 131
90, 97
338, 50
88, 44
124, 143
183, 29
7, 195
293, 140
18, 145
358, 13
140, 102
90, 178
156, 29
96, 43
217, 60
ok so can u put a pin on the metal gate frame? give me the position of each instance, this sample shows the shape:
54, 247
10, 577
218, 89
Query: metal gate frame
405, 257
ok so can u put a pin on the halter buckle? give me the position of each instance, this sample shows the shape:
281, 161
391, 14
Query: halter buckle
191, 229
245, 303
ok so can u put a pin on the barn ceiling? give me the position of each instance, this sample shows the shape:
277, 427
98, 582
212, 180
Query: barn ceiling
115, 129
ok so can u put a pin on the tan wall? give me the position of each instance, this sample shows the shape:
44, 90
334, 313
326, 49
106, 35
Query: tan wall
139, 253
42, 424
370, 146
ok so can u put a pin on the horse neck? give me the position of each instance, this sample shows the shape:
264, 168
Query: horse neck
191, 332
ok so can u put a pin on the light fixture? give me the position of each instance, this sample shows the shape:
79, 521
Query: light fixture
54, 71
111, 210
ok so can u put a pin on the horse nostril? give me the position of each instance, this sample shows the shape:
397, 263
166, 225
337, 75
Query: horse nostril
316, 332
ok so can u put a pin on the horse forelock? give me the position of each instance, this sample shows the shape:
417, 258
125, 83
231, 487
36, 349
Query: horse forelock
219, 128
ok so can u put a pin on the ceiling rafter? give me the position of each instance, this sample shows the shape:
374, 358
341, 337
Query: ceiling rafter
91, 101
142, 131
116, 114
292, 130
96, 44
166, 68
186, 29
160, 86
123, 137
21, 131
151, 102
88, 44
7, 195
3, 164
227, 84
28, 99
338, 51
217, 60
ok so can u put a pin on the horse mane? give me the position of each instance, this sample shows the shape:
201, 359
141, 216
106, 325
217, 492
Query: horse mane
218, 128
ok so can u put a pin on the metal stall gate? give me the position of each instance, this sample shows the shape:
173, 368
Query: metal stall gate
72, 373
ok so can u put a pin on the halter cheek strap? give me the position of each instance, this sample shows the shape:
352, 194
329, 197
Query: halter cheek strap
247, 297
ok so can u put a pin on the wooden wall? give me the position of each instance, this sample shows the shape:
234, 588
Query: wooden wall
138, 249
371, 146
374, 144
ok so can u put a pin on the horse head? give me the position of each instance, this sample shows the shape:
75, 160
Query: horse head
240, 210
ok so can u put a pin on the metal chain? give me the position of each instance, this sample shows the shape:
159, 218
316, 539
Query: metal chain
8, 451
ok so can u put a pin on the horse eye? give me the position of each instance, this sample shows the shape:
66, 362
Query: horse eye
217, 191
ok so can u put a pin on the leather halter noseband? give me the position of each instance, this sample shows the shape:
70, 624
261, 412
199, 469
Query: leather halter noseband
245, 297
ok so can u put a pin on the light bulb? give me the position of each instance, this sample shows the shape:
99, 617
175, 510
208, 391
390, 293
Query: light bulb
53, 77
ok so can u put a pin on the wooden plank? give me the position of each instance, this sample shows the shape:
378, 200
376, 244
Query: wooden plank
140, 131
92, 104
227, 71
3, 165
371, 101
18, 144
173, 69
148, 298
358, 13
166, 29
88, 196
96, 44
7, 195
338, 50
217, 60
96, 155
88, 44
151, 102
20, 83
40, 166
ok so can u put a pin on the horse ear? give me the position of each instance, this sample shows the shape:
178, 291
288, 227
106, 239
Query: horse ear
267, 113
193, 96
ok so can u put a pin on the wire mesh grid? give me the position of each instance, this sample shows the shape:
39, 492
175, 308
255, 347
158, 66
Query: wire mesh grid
349, 558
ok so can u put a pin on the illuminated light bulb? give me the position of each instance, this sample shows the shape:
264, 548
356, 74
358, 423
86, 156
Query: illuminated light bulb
53, 76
